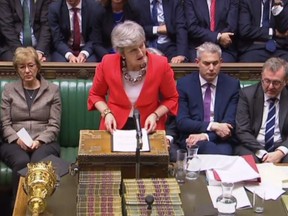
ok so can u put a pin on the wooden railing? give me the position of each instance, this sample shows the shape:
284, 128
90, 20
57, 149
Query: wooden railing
64, 70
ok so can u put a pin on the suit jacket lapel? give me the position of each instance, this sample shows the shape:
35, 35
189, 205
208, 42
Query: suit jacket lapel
205, 11
19, 88
257, 9
18, 8
32, 11
84, 14
65, 16
166, 11
220, 90
258, 109
219, 6
283, 111
196, 92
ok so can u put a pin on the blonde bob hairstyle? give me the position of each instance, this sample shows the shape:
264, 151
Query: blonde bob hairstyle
127, 34
23, 54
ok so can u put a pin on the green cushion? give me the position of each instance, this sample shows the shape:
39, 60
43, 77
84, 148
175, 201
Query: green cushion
244, 83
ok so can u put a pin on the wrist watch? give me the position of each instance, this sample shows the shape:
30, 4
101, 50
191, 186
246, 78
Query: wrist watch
105, 112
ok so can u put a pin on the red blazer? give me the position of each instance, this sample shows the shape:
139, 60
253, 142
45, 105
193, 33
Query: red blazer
159, 81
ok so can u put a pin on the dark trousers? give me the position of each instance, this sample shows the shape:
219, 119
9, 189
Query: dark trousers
207, 147
16, 158
261, 55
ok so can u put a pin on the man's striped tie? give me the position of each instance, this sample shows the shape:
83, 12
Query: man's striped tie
270, 126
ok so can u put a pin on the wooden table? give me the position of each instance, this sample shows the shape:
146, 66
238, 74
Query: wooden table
194, 195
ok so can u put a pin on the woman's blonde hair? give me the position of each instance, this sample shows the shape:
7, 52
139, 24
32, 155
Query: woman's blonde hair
22, 54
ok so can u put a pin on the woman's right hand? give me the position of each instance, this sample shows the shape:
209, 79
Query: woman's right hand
22, 144
110, 123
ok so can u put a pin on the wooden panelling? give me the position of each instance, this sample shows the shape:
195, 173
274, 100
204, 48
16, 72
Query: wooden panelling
65, 70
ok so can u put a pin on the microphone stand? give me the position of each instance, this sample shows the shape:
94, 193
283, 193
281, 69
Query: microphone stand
138, 148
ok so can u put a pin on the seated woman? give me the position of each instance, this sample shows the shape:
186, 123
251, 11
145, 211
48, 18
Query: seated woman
115, 12
31, 103
133, 79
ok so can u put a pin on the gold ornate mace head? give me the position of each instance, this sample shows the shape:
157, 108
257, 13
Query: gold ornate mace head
40, 183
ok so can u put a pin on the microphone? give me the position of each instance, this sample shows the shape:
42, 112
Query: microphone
136, 116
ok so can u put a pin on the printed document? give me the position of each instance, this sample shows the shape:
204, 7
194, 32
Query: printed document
125, 141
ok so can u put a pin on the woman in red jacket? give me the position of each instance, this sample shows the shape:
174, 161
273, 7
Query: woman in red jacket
133, 78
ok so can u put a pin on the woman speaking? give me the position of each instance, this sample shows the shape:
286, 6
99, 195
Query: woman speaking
133, 79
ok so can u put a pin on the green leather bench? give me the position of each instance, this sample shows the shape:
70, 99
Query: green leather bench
75, 116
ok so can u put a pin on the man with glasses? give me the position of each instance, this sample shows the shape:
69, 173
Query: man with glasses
261, 119
207, 104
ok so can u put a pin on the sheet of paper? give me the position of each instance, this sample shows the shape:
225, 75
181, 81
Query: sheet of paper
238, 192
265, 170
271, 192
25, 137
234, 172
216, 161
125, 141
270, 183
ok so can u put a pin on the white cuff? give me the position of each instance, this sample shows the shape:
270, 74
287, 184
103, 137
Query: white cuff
67, 55
155, 30
283, 149
170, 138
276, 10
260, 153
85, 53
270, 33
209, 126
218, 36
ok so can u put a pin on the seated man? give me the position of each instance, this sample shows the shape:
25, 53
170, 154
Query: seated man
260, 23
207, 104
164, 26
262, 123
212, 21
24, 23
72, 27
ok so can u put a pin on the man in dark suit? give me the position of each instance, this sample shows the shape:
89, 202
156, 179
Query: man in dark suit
212, 21
207, 104
262, 115
281, 22
12, 22
168, 32
258, 23
73, 42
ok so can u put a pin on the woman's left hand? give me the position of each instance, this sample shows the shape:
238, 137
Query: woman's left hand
151, 123
35, 145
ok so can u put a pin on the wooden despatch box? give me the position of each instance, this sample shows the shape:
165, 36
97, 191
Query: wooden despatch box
95, 153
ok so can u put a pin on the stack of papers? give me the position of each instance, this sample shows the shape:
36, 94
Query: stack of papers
229, 168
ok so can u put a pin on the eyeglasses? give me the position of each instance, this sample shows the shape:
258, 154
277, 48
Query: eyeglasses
23, 67
275, 83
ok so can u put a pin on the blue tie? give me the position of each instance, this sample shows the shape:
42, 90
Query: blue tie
27, 38
155, 13
270, 126
154, 17
271, 44
266, 13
